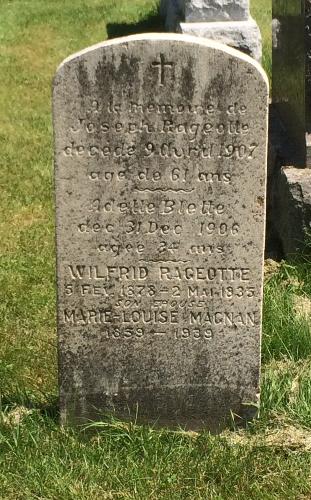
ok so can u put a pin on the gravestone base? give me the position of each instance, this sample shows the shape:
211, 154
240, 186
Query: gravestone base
292, 209
170, 407
242, 35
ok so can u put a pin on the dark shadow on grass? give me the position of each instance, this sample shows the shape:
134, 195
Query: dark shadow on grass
150, 24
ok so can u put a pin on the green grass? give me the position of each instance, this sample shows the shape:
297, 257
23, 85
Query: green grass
139, 463
287, 310
262, 11
38, 459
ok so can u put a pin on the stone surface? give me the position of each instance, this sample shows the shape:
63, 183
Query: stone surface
163, 7
225, 21
242, 35
216, 10
292, 209
160, 166
280, 203
173, 11
291, 61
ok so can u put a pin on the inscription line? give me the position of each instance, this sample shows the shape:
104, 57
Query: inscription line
165, 190
150, 260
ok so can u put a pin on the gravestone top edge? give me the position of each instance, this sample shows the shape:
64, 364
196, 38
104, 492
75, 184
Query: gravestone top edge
162, 37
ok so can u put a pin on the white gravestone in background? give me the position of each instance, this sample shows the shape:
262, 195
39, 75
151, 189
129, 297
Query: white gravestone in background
160, 172
225, 21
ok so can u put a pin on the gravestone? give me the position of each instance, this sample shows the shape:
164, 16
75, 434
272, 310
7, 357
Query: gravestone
172, 11
225, 21
291, 85
216, 10
160, 165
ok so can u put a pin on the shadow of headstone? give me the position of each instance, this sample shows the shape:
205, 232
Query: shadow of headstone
152, 23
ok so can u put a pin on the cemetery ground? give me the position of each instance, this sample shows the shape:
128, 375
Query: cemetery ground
38, 458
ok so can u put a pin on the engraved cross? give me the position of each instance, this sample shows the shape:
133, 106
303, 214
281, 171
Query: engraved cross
162, 65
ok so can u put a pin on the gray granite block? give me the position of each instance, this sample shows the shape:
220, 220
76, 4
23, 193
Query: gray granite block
242, 35
216, 10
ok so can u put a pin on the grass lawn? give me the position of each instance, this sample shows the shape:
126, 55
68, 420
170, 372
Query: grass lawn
39, 460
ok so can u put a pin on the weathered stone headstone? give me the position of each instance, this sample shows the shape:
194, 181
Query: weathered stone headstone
292, 209
225, 21
216, 10
160, 158
172, 11
291, 84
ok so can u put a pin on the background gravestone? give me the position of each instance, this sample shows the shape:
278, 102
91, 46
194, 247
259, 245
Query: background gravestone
290, 132
217, 10
291, 85
225, 21
160, 166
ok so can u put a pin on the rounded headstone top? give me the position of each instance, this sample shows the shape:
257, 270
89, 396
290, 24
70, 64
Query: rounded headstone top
174, 39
